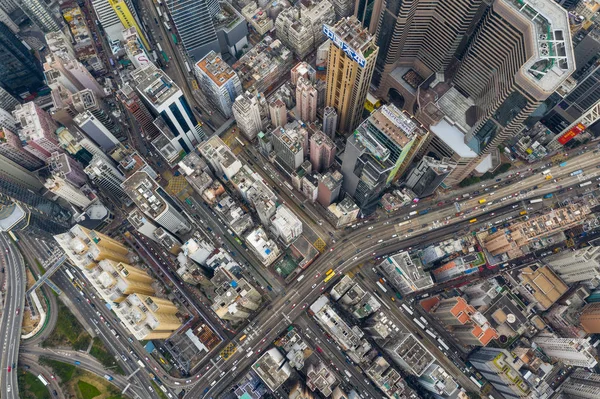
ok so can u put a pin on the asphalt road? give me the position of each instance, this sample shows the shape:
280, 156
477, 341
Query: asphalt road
12, 316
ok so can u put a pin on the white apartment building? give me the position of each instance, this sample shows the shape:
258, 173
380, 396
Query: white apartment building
67, 191
36, 128
571, 351
263, 247
148, 317
286, 225
220, 157
306, 100
74, 71
106, 176
583, 265
248, 110
218, 82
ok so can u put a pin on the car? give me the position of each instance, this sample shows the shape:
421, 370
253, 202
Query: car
322, 288
17, 311
313, 286
8, 388
293, 305
9, 369
317, 275
304, 306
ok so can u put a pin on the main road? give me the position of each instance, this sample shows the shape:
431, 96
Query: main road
12, 316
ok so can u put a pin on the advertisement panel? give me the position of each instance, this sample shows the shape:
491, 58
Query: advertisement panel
571, 134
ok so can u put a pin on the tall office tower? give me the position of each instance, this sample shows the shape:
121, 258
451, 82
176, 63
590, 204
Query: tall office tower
291, 145
235, 298
306, 100
65, 167
590, 318
426, 177
277, 112
66, 69
156, 203
16, 216
79, 146
87, 101
107, 177
148, 317
330, 118
40, 14
36, 129
343, 8
581, 98
581, 385
218, 82
248, 111
501, 369
67, 191
350, 66
300, 27
166, 101
8, 102
368, 13
193, 20
420, 35
329, 188
379, 152
468, 325
96, 131
130, 99
7, 120
583, 265
302, 70
6, 20
128, 18
9, 6
11, 148
20, 71
505, 94
570, 351
322, 152
586, 52
110, 21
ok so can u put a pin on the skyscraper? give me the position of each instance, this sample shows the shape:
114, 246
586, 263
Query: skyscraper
322, 152
36, 128
20, 71
536, 40
590, 318
218, 82
11, 148
501, 369
426, 177
582, 385
19, 217
306, 100
330, 118
40, 14
138, 109
249, 110
107, 177
350, 66
420, 35
194, 22
570, 351
583, 265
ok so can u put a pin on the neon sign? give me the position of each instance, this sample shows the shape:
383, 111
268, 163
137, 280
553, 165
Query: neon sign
350, 52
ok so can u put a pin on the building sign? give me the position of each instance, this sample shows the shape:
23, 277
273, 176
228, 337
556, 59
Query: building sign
571, 134
350, 52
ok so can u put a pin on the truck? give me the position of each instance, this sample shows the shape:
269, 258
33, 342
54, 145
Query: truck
549, 195
577, 172
535, 201
77, 362
108, 377
563, 164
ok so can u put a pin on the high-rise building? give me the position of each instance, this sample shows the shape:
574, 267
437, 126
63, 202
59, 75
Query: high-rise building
148, 317
249, 110
9, 6
501, 369
104, 175
130, 99
110, 21
329, 188
343, 8
218, 82
67, 191
277, 112
96, 131
300, 27
7, 101
581, 385
40, 14
134, 48
570, 351
265, 249
66, 69
419, 35
65, 167
6, 20
59, 43
306, 100
468, 325
11, 148
406, 273
576, 267
16, 216
20, 71
429, 173
379, 152
220, 157
286, 225
322, 152
291, 145
155, 202
166, 101
350, 66
235, 298
330, 118
193, 20
303, 70
127, 17
36, 128
590, 318
506, 94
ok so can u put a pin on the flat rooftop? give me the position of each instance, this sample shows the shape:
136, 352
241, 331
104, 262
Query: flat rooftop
351, 31
453, 137
143, 191
154, 84
215, 68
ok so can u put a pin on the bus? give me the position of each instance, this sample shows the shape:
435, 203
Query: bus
329, 277
413, 213
158, 11
329, 272
43, 380
549, 195
577, 172
381, 286
243, 337
240, 141
473, 220
174, 36
403, 223
563, 164
165, 56
417, 322
300, 278
13, 236
159, 46
482, 201
587, 183
423, 320
479, 385
238, 240
535, 201
407, 309
141, 364
69, 274
167, 26
289, 186
431, 333
441, 341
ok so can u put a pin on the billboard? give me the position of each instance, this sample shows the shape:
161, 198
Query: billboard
572, 133
350, 52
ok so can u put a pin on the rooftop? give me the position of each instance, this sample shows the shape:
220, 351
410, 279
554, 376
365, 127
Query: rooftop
143, 191
357, 38
272, 368
267, 57
154, 84
213, 66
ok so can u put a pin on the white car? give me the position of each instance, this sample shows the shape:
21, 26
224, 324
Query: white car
313, 287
